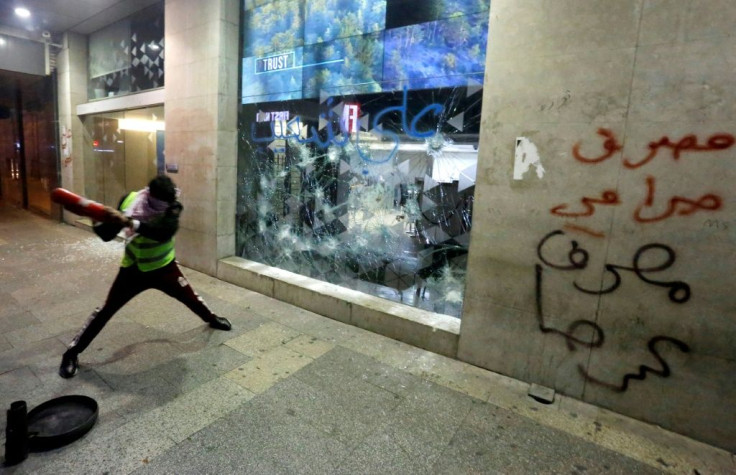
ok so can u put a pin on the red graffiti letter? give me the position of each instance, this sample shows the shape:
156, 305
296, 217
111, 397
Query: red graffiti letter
687, 143
610, 145
609, 197
677, 204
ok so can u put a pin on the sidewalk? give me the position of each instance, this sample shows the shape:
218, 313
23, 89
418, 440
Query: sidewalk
287, 391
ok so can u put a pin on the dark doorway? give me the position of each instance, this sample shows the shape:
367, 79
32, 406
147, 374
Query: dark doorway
29, 167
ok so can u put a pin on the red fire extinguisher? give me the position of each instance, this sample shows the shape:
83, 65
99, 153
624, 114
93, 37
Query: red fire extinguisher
80, 205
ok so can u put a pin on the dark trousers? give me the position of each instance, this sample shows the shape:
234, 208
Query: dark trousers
130, 282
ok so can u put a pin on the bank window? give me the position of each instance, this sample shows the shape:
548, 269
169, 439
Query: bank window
359, 130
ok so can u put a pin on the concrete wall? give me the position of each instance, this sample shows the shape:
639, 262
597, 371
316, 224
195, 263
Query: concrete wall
201, 125
607, 272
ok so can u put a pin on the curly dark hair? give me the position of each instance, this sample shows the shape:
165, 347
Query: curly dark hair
163, 188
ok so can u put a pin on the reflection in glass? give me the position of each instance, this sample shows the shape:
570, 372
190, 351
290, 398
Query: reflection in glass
123, 152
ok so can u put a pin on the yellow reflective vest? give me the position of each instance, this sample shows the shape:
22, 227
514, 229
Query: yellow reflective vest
146, 253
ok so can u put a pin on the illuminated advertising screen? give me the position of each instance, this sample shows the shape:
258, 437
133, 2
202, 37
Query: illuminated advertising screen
273, 77
273, 27
441, 53
413, 12
345, 66
297, 49
273, 35
327, 20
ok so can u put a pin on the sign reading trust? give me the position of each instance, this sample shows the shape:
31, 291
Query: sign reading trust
278, 62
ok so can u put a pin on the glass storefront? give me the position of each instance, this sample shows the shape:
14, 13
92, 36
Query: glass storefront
359, 127
123, 151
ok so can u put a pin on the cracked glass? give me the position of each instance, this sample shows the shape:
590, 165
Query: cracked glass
358, 143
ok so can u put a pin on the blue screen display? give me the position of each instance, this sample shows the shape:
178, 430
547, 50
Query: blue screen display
351, 65
435, 54
327, 20
294, 49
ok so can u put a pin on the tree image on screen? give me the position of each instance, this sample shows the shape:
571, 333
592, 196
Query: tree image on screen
327, 20
435, 54
350, 65
273, 27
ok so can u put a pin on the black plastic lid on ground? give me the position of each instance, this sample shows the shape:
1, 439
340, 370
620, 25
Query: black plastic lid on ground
60, 421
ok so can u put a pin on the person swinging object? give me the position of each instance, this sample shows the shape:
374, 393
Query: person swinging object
150, 218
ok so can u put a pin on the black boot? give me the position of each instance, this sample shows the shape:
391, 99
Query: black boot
220, 323
69, 365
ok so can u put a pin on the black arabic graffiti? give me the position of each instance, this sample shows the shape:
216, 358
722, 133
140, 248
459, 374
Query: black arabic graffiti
570, 338
577, 259
643, 369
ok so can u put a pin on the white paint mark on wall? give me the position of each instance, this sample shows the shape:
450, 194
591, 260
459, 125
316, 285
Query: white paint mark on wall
526, 156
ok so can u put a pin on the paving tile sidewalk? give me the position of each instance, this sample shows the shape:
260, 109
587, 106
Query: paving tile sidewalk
287, 391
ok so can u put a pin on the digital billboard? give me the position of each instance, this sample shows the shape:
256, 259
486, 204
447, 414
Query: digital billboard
273, 77
327, 20
413, 12
435, 54
273, 27
294, 49
351, 65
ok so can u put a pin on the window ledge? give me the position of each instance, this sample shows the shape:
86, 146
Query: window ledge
135, 100
430, 331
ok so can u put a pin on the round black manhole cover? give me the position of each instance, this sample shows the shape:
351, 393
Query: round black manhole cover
60, 421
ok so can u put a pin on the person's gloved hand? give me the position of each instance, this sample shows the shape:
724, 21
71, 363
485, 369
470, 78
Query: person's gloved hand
115, 216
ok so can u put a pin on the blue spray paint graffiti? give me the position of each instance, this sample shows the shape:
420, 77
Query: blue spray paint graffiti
294, 129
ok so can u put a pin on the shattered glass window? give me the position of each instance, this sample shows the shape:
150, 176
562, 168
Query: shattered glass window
358, 142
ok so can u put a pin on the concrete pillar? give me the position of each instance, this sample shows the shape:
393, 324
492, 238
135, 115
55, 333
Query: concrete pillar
201, 125
602, 250
72, 91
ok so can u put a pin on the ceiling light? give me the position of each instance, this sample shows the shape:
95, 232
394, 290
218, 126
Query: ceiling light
2, 41
140, 125
22, 12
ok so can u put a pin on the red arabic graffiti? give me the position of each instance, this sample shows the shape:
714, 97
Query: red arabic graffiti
608, 197
677, 205
647, 211
688, 143
611, 146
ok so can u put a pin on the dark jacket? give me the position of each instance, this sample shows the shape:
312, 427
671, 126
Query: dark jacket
160, 229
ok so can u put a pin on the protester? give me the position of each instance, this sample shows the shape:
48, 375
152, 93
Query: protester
150, 218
